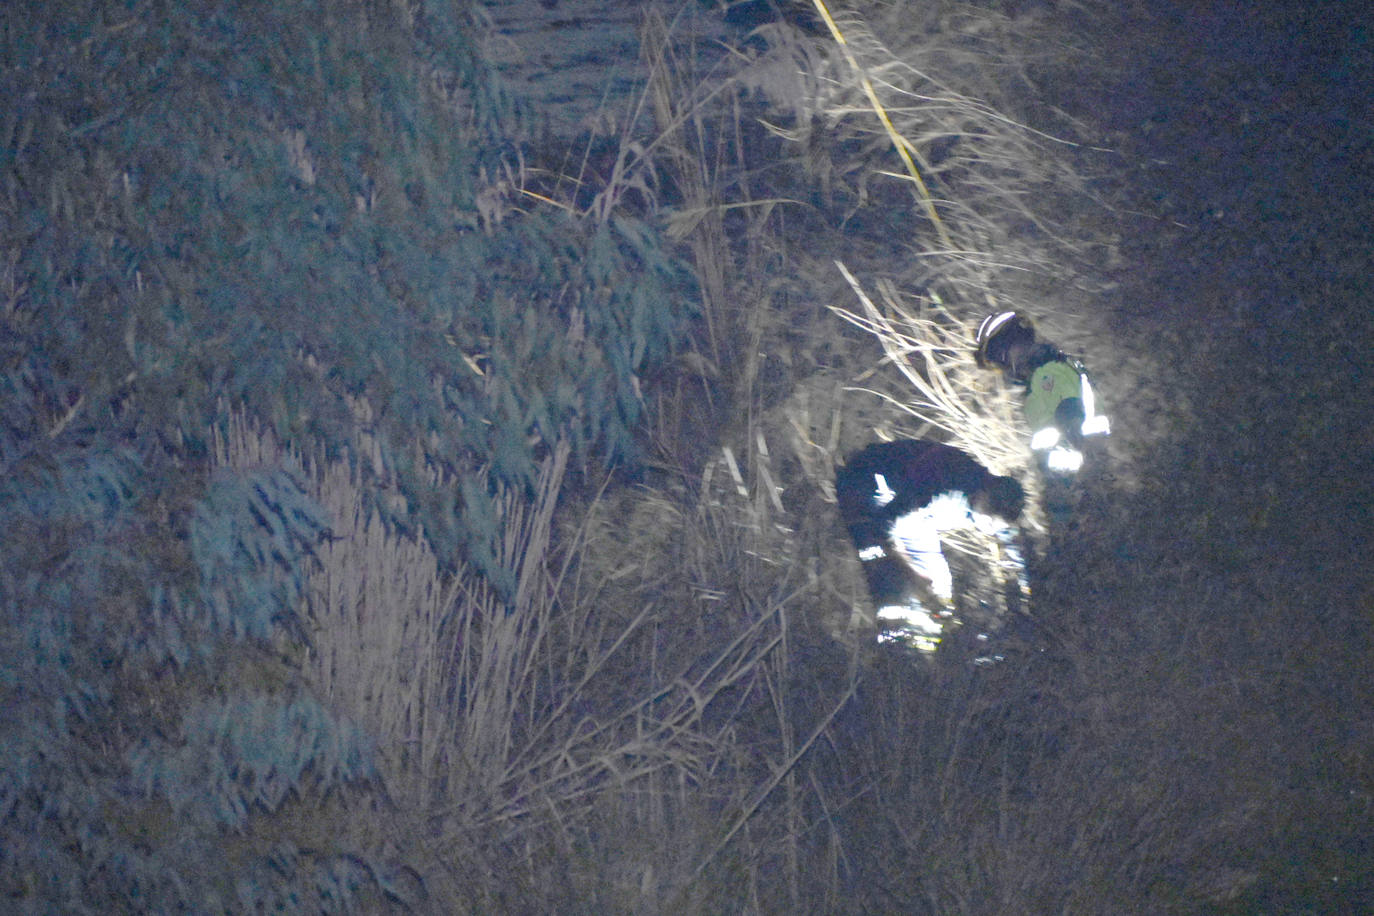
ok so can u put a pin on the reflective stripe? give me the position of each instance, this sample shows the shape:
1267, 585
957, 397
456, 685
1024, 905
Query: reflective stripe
991, 324
1089, 399
1094, 424
1045, 438
882, 493
1065, 459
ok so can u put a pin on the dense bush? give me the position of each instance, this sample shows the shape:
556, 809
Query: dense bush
156, 741
300, 206
299, 209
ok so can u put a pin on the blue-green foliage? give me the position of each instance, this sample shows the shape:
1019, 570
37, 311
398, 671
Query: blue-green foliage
288, 882
234, 756
154, 745
211, 192
231, 201
249, 538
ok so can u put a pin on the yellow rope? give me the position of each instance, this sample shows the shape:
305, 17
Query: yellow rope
898, 141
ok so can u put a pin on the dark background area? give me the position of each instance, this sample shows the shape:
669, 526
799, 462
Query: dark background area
1246, 136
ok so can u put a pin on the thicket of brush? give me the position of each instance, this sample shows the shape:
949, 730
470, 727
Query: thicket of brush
393, 523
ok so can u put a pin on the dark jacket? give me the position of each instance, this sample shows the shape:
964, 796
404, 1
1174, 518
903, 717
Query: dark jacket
916, 470
896, 498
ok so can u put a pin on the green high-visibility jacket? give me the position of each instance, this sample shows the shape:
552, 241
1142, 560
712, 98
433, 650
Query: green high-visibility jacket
1049, 385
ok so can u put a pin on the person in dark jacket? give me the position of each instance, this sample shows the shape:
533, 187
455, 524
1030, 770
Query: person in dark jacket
1060, 405
897, 499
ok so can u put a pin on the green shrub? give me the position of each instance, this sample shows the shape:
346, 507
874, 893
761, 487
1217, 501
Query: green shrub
292, 208
289, 208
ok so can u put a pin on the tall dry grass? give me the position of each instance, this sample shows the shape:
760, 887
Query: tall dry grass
932, 789
523, 721
660, 719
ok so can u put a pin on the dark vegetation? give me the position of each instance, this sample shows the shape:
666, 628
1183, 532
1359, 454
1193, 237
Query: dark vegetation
407, 505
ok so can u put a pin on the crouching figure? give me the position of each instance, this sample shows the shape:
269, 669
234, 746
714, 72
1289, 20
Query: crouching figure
897, 500
1060, 405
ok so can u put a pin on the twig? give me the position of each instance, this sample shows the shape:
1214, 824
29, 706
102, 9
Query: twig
772, 783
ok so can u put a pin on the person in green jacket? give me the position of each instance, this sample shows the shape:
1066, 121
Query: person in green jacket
1060, 405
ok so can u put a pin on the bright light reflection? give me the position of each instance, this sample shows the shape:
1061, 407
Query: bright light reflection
910, 626
882, 493
1065, 459
1096, 426
1045, 438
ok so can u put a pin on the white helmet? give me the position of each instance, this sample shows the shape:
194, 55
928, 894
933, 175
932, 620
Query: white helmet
1004, 328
